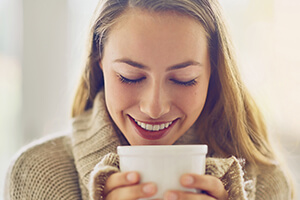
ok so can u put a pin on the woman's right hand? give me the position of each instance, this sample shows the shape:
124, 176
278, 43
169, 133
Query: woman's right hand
126, 185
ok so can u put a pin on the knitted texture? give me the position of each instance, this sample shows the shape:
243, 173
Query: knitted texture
108, 165
229, 171
76, 166
272, 184
94, 136
44, 171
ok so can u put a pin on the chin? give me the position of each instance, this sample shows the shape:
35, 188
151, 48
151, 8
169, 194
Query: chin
142, 141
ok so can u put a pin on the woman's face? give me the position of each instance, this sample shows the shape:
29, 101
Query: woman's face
156, 73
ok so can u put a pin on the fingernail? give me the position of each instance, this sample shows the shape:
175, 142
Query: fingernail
172, 196
149, 188
187, 180
132, 177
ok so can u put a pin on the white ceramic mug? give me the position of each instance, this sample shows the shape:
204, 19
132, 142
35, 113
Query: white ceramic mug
163, 164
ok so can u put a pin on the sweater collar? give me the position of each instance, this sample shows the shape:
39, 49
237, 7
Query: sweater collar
95, 135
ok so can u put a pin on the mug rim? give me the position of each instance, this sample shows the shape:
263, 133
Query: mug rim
162, 149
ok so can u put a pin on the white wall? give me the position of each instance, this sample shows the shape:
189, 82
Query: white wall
54, 41
44, 70
10, 82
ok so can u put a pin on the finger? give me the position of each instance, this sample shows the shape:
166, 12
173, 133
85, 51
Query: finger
120, 179
210, 184
144, 190
179, 195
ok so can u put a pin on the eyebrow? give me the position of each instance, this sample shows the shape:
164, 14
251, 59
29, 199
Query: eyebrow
142, 66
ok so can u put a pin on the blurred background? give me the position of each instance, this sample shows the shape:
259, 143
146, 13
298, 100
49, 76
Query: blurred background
41, 47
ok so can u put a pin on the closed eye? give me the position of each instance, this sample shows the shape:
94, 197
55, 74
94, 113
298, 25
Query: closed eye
130, 81
135, 81
185, 83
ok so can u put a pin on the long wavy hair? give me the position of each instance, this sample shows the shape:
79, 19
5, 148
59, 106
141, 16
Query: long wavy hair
230, 123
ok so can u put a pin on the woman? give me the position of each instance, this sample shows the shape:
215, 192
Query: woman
157, 72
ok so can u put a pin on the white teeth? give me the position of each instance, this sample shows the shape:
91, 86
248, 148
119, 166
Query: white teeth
150, 127
156, 127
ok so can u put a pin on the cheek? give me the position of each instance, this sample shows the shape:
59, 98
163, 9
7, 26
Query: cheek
191, 100
119, 96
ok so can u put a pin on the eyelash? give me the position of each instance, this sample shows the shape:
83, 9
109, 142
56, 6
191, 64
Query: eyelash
186, 84
135, 81
129, 81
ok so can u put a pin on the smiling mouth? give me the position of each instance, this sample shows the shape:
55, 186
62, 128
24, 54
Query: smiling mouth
153, 127
152, 131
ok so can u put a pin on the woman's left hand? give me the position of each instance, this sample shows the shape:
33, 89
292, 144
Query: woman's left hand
213, 188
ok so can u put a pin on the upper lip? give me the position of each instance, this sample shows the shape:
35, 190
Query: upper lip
152, 122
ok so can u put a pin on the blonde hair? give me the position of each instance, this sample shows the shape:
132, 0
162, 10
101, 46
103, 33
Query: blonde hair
230, 122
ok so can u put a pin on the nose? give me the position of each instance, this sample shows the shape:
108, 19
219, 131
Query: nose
155, 102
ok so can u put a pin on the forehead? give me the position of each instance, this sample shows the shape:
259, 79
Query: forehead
164, 35
142, 18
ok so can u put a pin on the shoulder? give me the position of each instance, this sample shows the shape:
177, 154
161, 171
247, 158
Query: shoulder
43, 170
273, 183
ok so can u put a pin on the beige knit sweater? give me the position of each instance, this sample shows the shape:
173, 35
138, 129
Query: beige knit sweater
76, 165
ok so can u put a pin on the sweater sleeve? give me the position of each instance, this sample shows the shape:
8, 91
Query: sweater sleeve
271, 183
106, 167
261, 183
229, 171
43, 170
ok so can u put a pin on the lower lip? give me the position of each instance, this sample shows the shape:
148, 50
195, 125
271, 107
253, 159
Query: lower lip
151, 135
